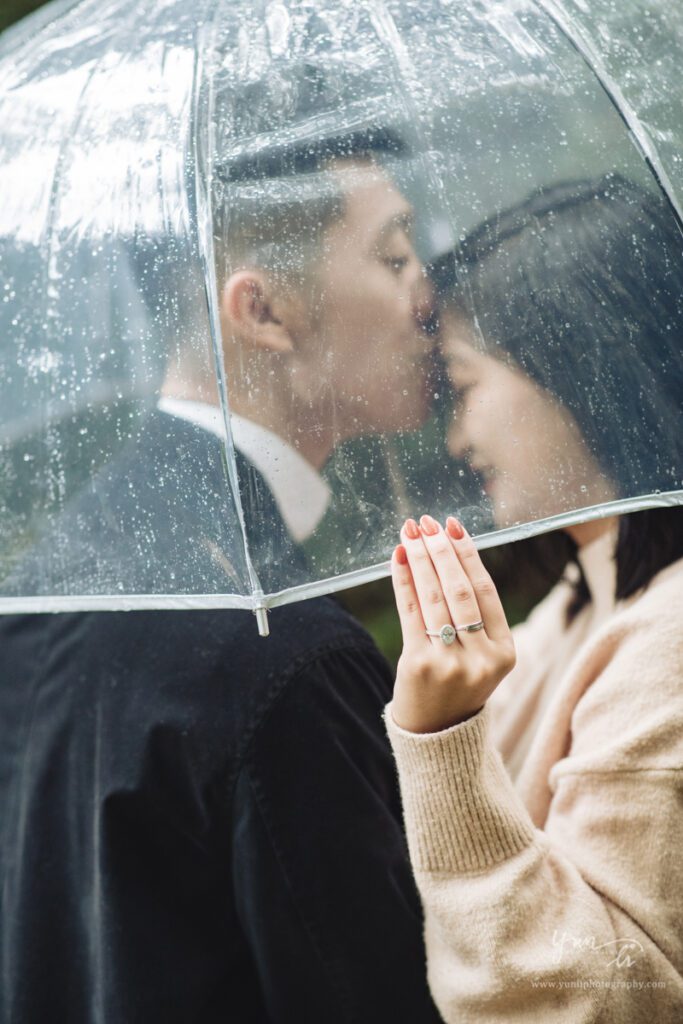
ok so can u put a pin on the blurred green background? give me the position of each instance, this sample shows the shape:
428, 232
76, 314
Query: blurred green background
524, 571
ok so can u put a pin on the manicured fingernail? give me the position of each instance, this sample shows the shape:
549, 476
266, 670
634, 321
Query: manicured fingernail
429, 525
411, 529
454, 527
401, 555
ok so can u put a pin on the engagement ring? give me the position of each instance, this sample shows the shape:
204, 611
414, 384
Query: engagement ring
446, 633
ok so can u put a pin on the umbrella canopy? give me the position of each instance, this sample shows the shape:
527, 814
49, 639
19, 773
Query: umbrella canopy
276, 274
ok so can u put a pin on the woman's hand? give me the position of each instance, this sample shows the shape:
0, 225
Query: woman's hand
439, 580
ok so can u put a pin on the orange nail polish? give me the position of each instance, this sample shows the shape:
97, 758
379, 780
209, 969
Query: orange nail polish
401, 555
411, 529
429, 526
454, 527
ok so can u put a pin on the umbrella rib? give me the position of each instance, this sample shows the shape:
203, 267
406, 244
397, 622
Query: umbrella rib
583, 46
205, 239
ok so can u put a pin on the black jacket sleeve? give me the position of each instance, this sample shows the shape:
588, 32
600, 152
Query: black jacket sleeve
322, 881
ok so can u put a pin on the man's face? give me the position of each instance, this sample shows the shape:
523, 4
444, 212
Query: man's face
364, 353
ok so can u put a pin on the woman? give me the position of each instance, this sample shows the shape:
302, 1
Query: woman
543, 799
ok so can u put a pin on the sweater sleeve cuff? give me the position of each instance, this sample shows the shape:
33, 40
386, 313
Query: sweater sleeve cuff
461, 810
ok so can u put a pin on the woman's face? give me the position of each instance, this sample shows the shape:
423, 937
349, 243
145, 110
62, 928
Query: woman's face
525, 446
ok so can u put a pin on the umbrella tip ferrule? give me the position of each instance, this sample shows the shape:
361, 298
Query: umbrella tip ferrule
261, 613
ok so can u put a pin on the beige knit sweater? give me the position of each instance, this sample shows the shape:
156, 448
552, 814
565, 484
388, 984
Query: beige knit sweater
559, 897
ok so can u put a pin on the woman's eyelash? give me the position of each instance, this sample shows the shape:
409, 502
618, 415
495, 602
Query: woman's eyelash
395, 262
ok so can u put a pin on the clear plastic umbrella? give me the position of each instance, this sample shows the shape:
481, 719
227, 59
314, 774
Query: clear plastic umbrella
275, 275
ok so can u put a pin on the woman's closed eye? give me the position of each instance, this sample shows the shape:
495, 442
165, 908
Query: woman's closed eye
396, 264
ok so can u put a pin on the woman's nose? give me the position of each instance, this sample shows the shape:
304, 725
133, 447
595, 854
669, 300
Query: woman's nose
456, 440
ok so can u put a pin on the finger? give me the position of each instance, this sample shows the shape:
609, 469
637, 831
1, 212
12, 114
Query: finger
430, 595
455, 583
488, 600
407, 603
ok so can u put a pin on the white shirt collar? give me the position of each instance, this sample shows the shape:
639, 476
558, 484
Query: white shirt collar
300, 493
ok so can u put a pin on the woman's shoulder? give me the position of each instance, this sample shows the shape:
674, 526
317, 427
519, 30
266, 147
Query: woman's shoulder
631, 681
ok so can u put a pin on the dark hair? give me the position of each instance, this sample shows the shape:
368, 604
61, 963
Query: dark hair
272, 195
293, 120
580, 286
312, 155
647, 542
272, 207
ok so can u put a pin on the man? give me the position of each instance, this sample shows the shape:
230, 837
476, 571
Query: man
320, 294
198, 825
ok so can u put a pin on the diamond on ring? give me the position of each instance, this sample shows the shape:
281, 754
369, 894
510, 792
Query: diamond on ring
446, 634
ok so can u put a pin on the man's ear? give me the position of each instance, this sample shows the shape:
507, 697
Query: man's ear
247, 312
